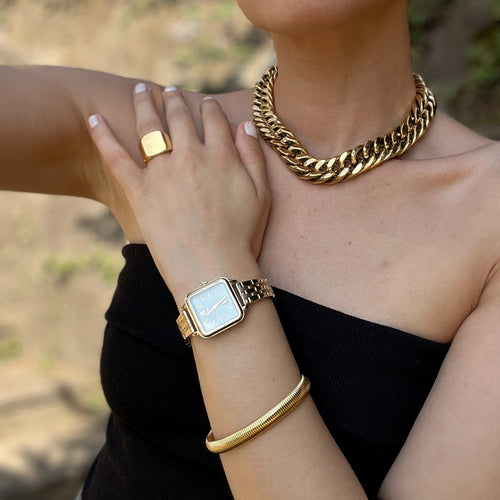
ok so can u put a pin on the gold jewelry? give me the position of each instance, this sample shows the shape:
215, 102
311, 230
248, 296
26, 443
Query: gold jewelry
218, 305
154, 144
352, 162
263, 423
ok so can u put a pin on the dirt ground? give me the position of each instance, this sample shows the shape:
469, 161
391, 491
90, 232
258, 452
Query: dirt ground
57, 272
59, 257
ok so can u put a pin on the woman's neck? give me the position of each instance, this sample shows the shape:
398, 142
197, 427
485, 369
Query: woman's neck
340, 88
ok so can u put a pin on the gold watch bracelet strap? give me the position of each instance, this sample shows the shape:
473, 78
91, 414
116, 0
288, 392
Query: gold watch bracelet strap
263, 423
186, 325
254, 290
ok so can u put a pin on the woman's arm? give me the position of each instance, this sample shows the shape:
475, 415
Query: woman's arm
215, 207
213, 199
453, 450
45, 146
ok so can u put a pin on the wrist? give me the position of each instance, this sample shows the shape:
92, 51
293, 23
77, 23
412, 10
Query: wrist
189, 278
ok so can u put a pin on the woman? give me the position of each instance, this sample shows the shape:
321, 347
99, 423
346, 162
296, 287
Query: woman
409, 252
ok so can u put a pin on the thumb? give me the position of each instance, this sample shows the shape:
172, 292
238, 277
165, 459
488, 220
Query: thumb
251, 155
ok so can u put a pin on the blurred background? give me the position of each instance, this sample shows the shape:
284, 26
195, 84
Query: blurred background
59, 257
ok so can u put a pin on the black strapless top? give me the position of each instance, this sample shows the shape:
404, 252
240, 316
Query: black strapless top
368, 381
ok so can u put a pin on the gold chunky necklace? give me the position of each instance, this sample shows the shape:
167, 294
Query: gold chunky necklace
352, 162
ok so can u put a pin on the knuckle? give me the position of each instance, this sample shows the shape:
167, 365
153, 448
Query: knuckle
225, 158
178, 113
192, 160
150, 123
117, 157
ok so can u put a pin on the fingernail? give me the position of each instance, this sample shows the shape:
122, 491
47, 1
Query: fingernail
250, 129
169, 89
93, 121
208, 98
140, 87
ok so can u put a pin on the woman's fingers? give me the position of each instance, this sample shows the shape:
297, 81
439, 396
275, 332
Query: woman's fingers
251, 155
180, 121
218, 136
216, 128
114, 156
146, 114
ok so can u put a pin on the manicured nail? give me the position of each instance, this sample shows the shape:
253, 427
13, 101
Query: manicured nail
250, 129
169, 89
208, 98
93, 121
140, 87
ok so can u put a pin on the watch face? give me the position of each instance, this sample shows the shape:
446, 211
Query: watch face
214, 307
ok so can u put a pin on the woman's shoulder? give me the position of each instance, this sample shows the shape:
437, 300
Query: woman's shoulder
458, 151
460, 169
447, 137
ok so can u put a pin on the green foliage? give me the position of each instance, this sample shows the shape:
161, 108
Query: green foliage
94, 402
484, 53
135, 8
484, 58
224, 9
145, 5
63, 268
10, 347
495, 5
424, 15
50, 355
54, 6
202, 49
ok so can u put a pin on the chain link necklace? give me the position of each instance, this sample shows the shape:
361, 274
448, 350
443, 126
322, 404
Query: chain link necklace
352, 162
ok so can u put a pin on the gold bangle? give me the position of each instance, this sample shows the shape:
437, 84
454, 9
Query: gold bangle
263, 423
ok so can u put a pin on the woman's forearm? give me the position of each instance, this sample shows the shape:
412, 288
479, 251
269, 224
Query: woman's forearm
243, 373
202, 209
44, 142
39, 130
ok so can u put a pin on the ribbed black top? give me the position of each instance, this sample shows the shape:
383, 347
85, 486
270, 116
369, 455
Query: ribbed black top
368, 381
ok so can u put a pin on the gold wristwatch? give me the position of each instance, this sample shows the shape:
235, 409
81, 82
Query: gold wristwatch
218, 305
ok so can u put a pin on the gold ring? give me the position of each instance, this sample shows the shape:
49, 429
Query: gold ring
153, 144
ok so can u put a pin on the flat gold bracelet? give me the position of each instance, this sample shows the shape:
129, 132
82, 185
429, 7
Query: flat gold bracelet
263, 423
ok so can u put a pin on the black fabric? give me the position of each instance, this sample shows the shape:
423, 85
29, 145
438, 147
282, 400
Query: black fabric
368, 381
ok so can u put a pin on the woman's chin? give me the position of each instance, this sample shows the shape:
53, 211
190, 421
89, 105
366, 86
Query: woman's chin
292, 17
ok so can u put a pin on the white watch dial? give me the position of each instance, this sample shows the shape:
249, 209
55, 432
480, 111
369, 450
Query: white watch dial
214, 307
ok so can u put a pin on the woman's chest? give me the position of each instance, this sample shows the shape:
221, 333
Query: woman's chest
401, 258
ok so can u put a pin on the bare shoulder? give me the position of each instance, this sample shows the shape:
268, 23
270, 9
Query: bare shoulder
448, 137
490, 154
470, 157
461, 168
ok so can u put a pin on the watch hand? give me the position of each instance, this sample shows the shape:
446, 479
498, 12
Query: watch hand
215, 306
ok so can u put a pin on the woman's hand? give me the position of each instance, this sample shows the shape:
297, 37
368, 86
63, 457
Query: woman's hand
203, 207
